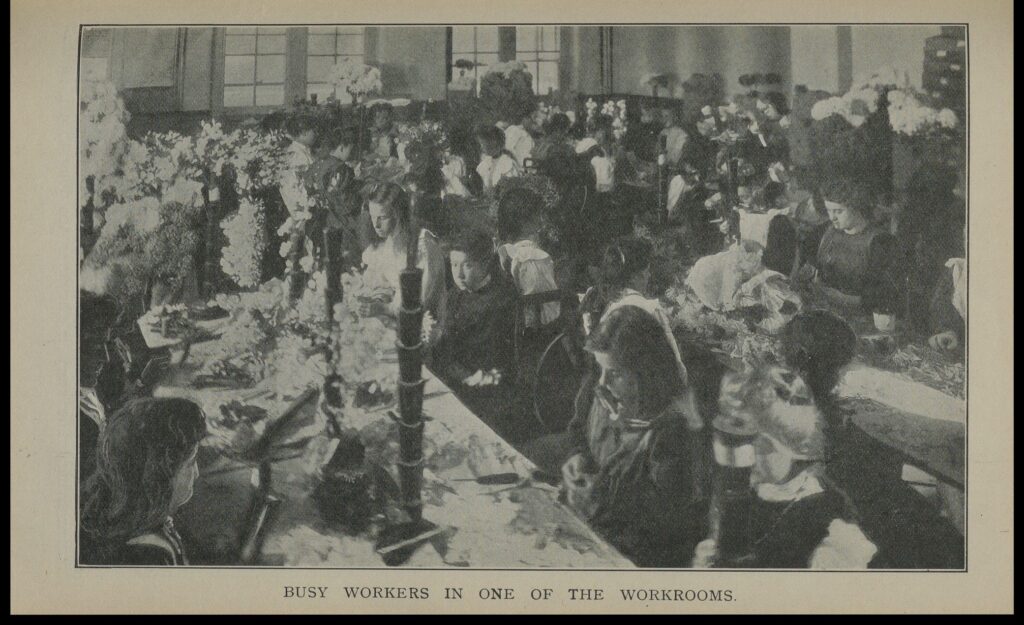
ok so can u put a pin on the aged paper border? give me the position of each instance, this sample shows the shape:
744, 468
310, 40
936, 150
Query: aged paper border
44, 37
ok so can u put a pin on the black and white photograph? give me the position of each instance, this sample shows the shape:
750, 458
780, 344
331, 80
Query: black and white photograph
523, 296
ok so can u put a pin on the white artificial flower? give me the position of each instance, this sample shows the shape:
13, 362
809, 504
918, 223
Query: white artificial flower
823, 109
948, 119
855, 120
146, 214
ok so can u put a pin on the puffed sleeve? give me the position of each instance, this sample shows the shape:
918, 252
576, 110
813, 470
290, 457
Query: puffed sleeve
845, 547
943, 315
431, 261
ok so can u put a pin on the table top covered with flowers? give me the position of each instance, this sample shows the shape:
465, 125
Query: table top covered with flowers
263, 373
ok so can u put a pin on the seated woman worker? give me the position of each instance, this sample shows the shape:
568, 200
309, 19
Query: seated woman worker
472, 342
145, 470
641, 470
798, 518
855, 265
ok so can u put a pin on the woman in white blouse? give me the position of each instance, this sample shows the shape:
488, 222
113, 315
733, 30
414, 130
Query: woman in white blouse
495, 161
387, 206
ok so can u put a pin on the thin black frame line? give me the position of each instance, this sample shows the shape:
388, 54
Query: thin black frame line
432, 24
967, 375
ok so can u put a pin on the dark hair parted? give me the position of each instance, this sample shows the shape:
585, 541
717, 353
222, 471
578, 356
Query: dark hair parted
387, 194
622, 260
342, 137
490, 135
637, 342
476, 245
859, 196
818, 344
558, 123
381, 107
518, 209
299, 123
139, 453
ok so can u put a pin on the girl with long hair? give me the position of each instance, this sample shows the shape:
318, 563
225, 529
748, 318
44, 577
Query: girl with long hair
386, 228
145, 469
641, 467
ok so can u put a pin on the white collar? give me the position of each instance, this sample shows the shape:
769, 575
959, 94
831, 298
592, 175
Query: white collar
803, 485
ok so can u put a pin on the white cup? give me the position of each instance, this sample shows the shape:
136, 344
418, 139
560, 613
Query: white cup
885, 323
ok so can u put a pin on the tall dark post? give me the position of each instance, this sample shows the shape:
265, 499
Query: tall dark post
730, 195
662, 175
732, 497
410, 383
330, 256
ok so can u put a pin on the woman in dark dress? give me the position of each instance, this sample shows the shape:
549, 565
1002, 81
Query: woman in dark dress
641, 468
856, 266
472, 347
909, 533
145, 469
332, 182
797, 518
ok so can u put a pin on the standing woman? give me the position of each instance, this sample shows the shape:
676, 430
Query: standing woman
386, 230
145, 469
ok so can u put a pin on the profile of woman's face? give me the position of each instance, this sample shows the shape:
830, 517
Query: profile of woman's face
489, 148
617, 385
382, 218
184, 479
843, 217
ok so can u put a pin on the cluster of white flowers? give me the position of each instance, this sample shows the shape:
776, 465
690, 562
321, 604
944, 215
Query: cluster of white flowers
549, 111
427, 131
354, 78
103, 136
142, 215
241, 258
242, 345
616, 110
296, 364
309, 310
862, 99
909, 116
854, 106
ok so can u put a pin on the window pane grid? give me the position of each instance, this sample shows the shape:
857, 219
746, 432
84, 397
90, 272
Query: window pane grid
327, 46
538, 47
254, 66
477, 44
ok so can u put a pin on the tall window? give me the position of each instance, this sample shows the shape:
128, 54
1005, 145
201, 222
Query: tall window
473, 49
96, 48
254, 66
326, 46
538, 47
